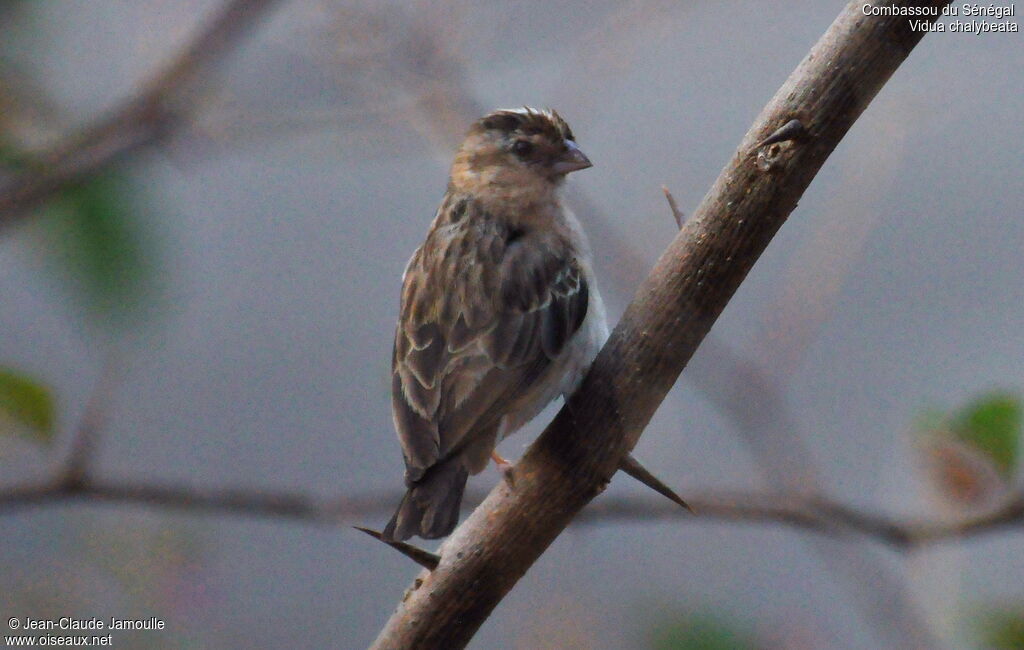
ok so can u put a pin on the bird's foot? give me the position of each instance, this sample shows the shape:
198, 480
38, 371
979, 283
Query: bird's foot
506, 469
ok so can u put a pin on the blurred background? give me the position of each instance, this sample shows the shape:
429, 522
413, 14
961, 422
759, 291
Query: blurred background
198, 289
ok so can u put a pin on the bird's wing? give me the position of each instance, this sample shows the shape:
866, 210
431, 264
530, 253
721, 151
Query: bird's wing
483, 314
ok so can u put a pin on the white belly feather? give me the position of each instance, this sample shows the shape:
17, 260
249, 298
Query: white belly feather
566, 372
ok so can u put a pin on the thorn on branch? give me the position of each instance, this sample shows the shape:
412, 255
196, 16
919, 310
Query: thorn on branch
677, 214
631, 466
768, 150
421, 557
791, 130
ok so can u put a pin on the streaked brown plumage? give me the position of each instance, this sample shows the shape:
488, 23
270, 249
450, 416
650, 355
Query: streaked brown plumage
499, 311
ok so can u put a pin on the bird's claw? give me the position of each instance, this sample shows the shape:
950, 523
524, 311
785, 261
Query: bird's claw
506, 469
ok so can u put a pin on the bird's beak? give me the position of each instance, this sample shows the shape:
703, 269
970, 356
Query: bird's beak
572, 160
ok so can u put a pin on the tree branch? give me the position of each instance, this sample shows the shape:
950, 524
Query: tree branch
578, 453
142, 120
799, 511
86, 435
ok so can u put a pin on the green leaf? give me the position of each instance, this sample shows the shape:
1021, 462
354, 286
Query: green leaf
700, 632
992, 425
28, 403
1003, 631
9, 156
101, 248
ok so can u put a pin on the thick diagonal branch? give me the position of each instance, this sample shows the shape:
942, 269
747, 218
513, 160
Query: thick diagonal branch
674, 309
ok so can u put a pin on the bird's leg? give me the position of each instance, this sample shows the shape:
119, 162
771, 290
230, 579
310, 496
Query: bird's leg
505, 468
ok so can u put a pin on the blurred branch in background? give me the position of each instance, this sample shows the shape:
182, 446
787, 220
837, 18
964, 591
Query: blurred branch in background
812, 514
806, 298
749, 396
84, 200
78, 467
167, 99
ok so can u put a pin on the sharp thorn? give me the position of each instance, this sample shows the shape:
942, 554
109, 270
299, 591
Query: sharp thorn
677, 214
423, 558
791, 130
632, 466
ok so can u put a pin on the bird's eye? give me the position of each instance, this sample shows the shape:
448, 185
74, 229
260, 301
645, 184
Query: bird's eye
521, 147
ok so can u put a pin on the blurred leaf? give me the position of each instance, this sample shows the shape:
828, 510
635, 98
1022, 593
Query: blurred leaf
972, 453
992, 424
156, 564
963, 474
9, 156
700, 633
102, 249
28, 403
1003, 631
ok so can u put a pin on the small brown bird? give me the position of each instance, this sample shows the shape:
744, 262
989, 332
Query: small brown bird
499, 315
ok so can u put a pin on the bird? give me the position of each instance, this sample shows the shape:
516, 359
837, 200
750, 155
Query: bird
500, 312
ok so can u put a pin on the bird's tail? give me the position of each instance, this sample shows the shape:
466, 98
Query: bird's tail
430, 508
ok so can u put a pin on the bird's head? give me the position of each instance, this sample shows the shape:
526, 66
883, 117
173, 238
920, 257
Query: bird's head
524, 148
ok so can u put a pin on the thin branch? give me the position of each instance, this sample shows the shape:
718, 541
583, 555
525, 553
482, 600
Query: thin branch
86, 435
813, 514
577, 455
176, 497
143, 120
807, 513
